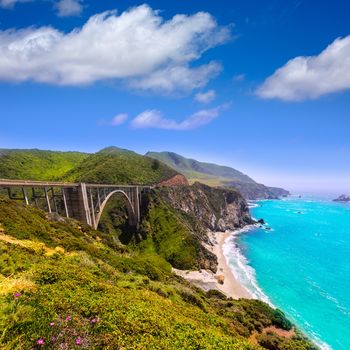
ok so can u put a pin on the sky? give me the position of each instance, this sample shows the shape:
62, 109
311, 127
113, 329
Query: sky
263, 87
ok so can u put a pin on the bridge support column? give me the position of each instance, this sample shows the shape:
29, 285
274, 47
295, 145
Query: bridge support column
78, 204
135, 202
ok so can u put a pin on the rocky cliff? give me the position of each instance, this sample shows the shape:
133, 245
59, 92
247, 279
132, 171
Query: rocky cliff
176, 222
216, 209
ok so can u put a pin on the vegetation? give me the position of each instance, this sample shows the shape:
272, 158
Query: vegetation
110, 165
115, 165
211, 174
217, 175
36, 164
66, 286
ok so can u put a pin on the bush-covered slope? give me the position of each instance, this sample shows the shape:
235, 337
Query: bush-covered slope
110, 165
36, 164
217, 175
114, 165
66, 286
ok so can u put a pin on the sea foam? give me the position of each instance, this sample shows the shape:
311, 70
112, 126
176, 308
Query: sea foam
239, 265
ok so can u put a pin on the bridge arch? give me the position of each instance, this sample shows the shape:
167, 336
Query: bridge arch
130, 208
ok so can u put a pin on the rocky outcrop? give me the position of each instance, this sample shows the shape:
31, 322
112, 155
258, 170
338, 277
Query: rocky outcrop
342, 198
253, 191
177, 180
216, 209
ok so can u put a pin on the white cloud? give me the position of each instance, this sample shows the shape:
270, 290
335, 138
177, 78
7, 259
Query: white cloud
155, 119
205, 97
312, 76
67, 8
9, 4
119, 119
64, 7
137, 46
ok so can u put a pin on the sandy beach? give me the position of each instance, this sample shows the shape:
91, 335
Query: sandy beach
208, 280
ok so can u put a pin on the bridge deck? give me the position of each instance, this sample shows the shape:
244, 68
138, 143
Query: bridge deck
32, 183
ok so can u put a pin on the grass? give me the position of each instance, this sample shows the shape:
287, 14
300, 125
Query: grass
67, 286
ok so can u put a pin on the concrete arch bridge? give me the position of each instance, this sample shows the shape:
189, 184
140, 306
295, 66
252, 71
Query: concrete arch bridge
81, 201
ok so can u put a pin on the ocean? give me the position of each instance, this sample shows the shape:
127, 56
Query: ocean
299, 261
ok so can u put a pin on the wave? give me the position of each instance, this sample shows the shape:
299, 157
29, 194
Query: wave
246, 275
240, 267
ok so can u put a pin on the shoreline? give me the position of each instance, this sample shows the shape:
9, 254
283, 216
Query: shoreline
223, 280
232, 286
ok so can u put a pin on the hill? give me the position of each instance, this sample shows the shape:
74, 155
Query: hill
64, 286
34, 164
115, 165
110, 165
217, 175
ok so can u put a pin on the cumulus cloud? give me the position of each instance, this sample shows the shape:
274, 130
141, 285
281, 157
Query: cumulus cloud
155, 119
312, 76
67, 8
205, 97
137, 46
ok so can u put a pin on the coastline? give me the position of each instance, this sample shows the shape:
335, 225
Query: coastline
224, 279
232, 286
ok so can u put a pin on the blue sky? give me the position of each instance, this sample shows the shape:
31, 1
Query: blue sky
263, 88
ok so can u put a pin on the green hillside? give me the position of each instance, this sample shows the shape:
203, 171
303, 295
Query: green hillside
115, 165
66, 286
194, 170
110, 165
217, 175
33, 164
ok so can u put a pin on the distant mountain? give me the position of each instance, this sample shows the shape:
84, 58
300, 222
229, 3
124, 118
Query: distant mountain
199, 171
217, 175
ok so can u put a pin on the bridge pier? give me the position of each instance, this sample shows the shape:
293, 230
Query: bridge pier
77, 203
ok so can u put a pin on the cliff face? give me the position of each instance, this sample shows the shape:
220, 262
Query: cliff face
216, 209
177, 221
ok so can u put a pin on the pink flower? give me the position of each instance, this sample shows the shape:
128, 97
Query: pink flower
52, 324
78, 341
17, 295
94, 320
53, 339
68, 318
40, 341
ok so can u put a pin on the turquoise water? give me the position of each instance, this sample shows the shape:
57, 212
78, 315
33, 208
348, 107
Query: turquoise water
302, 265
